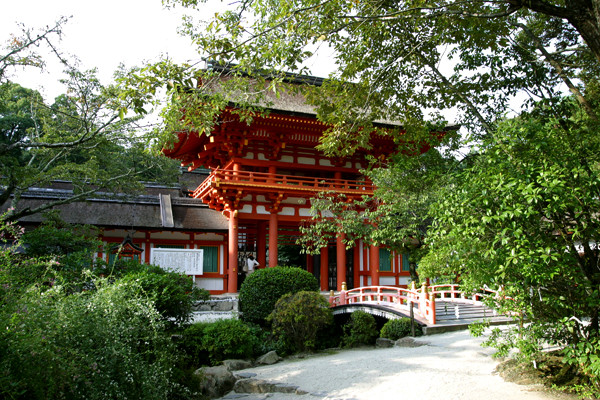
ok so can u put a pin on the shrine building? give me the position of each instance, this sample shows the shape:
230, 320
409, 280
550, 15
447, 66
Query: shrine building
262, 179
247, 190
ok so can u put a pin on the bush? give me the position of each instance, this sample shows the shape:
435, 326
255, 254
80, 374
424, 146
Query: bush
395, 329
173, 294
211, 343
261, 290
298, 317
360, 330
103, 344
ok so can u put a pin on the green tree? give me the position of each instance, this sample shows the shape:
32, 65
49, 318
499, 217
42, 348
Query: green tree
523, 218
71, 139
393, 61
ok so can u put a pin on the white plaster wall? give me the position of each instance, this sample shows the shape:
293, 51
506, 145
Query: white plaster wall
210, 283
387, 280
404, 280
261, 210
306, 160
287, 211
294, 200
222, 259
304, 212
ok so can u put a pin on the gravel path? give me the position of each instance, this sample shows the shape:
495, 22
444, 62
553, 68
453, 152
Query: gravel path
451, 366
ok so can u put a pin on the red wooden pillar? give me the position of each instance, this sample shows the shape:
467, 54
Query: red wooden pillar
310, 263
273, 229
261, 244
340, 260
324, 268
356, 264
232, 252
374, 264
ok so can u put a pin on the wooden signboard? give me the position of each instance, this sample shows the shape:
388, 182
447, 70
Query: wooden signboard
185, 261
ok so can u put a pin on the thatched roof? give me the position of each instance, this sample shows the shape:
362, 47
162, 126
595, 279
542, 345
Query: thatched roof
131, 212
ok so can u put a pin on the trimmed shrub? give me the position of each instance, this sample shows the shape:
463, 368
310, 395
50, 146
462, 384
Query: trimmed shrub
210, 343
298, 317
261, 290
395, 329
360, 330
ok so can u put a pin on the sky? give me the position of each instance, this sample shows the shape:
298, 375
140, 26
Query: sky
102, 34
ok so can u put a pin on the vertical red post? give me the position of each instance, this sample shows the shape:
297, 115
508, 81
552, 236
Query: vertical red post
273, 229
310, 263
432, 307
232, 252
340, 260
356, 264
261, 244
324, 268
374, 264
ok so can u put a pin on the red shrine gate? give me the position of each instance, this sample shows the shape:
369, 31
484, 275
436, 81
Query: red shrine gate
263, 177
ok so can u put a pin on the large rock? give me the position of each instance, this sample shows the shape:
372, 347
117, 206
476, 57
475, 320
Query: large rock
409, 342
384, 343
215, 381
223, 306
261, 386
236, 365
269, 358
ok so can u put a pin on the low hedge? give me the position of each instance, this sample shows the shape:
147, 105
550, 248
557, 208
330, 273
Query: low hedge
396, 329
261, 290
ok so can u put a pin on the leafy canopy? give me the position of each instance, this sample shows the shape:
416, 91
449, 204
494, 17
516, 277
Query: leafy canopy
83, 136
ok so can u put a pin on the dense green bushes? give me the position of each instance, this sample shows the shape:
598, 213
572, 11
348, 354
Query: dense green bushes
173, 294
360, 330
211, 343
107, 343
68, 333
297, 319
261, 290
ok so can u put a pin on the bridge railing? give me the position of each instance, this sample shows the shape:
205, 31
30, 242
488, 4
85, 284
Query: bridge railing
374, 294
423, 299
399, 297
451, 292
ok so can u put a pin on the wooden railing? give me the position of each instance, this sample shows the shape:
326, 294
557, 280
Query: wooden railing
227, 177
387, 295
423, 299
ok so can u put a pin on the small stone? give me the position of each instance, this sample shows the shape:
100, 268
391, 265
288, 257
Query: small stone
269, 358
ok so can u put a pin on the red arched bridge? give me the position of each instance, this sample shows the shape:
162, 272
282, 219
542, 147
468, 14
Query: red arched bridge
432, 305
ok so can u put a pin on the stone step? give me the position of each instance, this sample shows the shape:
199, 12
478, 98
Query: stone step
252, 385
447, 311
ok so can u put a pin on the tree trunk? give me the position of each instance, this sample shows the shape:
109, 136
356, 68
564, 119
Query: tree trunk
584, 15
588, 28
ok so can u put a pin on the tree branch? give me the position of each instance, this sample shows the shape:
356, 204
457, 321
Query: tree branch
560, 71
